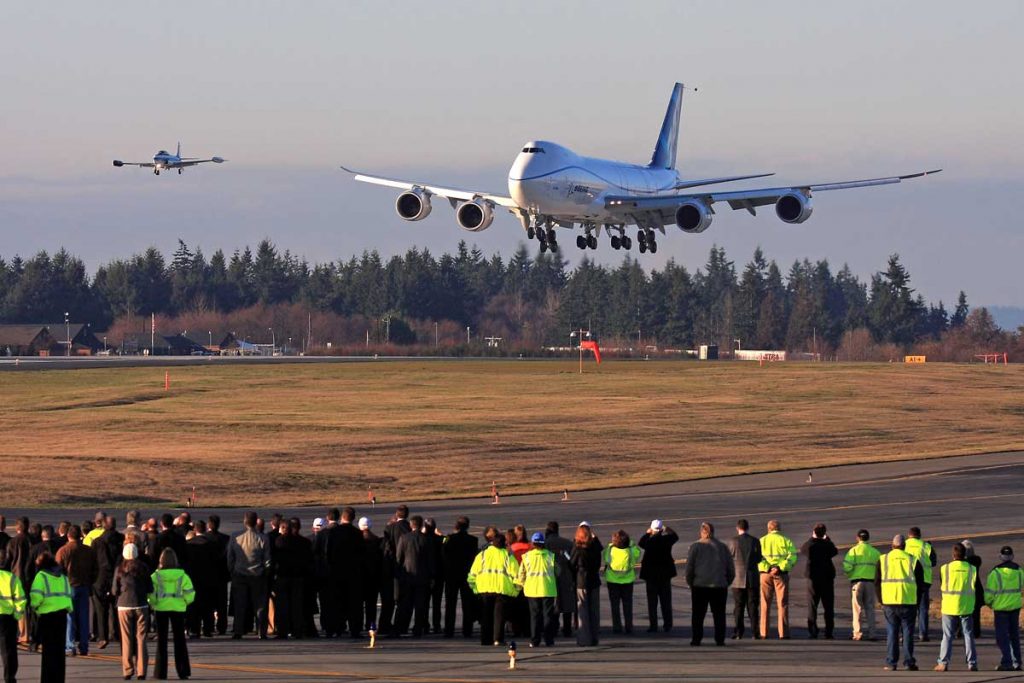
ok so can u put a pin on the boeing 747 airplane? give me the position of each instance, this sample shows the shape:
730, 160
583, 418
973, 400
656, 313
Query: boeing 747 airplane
551, 186
165, 161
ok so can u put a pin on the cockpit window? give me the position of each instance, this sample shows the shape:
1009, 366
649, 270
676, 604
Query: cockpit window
533, 150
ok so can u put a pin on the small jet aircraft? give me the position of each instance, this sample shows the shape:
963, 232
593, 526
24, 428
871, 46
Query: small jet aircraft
165, 161
550, 186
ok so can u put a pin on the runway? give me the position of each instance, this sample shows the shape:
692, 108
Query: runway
978, 497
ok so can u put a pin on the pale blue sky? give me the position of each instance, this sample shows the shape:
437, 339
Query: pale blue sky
449, 91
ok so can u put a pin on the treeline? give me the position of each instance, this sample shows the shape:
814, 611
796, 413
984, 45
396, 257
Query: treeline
526, 300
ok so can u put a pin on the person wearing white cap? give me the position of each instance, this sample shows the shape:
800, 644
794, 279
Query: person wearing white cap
656, 571
130, 588
318, 524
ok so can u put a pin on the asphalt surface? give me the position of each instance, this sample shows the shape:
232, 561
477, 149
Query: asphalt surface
977, 497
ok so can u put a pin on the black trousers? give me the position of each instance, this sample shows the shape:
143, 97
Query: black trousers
219, 600
620, 595
388, 591
346, 605
702, 599
454, 590
53, 629
105, 614
200, 613
249, 597
492, 618
436, 597
288, 615
543, 620
371, 591
175, 623
412, 598
659, 592
823, 592
749, 600
9, 647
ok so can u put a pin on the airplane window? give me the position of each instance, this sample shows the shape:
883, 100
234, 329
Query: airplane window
533, 150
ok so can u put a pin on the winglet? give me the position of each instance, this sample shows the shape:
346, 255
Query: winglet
921, 174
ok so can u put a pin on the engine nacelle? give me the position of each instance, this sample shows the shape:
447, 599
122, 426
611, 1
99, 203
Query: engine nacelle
793, 208
475, 216
694, 216
413, 205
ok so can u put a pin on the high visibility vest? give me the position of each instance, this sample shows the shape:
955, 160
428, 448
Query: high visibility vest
1003, 587
620, 563
899, 587
494, 571
12, 595
777, 551
50, 593
172, 591
860, 562
922, 550
537, 574
958, 583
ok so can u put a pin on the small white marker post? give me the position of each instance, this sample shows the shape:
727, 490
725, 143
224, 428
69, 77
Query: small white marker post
512, 656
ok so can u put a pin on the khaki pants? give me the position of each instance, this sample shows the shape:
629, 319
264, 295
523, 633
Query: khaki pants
134, 628
863, 610
776, 587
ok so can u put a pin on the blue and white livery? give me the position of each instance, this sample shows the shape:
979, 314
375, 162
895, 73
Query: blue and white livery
550, 186
165, 161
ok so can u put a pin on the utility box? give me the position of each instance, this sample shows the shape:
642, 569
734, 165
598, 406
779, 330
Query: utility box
708, 352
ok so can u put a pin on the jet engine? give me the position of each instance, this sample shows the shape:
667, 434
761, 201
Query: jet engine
413, 205
475, 216
694, 216
794, 207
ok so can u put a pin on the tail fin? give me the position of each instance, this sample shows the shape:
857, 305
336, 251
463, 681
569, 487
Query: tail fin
665, 149
179, 150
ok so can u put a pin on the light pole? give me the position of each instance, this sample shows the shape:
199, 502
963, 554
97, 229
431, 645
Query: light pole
104, 342
467, 335
67, 332
739, 344
210, 332
289, 344
273, 340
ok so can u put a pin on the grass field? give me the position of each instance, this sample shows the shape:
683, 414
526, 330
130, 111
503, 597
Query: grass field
312, 434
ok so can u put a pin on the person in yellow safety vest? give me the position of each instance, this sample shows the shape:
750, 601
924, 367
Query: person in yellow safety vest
538, 577
958, 580
620, 559
860, 565
171, 596
50, 599
897, 579
12, 608
778, 557
492, 577
925, 554
1003, 588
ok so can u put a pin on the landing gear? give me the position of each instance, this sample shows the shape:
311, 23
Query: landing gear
588, 241
626, 242
645, 239
179, 171
592, 241
530, 234
616, 242
156, 171
581, 242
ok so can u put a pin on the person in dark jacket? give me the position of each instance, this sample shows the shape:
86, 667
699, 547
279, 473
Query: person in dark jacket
343, 551
414, 568
457, 555
436, 539
292, 561
78, 562
745, 549
585, 564
373, 562
18, 550
169, 538
129, 590
974, 560
395, 529
709, 572
565, 603
820, 573
107, 547
206, 564
657, 570
221, 575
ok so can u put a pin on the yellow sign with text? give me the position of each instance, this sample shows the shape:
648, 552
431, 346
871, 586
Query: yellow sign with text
914, 359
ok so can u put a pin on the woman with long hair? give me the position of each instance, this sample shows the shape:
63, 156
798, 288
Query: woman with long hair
130, 590
172, 594
585, 563
518, 610
621, 557
50, 599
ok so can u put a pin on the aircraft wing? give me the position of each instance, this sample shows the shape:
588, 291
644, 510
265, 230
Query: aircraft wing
448, 193
118, 163
193, 162
663, 207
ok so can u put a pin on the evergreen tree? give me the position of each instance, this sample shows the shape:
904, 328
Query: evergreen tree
960, 312
894, 313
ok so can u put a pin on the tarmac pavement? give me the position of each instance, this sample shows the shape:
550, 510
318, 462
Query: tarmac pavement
978, 497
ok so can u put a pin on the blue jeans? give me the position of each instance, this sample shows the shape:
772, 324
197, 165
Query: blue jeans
80, 617
1008, 637
899, 621
949, 624
924, 599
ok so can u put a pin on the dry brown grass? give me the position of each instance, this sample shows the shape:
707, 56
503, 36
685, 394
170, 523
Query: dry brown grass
309, 434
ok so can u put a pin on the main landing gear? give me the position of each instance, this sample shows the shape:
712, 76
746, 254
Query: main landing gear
156, 171
546, 237
588, 241
621, 241
645, 240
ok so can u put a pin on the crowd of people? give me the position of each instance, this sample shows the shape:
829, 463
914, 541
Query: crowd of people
173, 578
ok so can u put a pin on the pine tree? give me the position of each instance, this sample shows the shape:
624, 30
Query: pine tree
960, 313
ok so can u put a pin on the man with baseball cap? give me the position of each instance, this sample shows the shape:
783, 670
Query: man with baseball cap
898, 578
537, 578
657, 570
1003, 594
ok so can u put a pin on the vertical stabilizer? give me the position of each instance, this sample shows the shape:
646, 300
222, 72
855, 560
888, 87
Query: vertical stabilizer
665, 149
179, 150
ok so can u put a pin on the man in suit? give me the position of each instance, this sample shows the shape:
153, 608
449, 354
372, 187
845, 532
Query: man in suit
108, 548
457, 555
657, 571
344, 552
820, 573
169, 538
414, 567
745, 549
206, 563
395, 529
221, 577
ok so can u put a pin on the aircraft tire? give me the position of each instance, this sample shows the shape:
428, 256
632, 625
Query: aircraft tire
627, 242
581, 241
652, 247
530, 234
592, 241
616, 242
643, 247
543, 246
